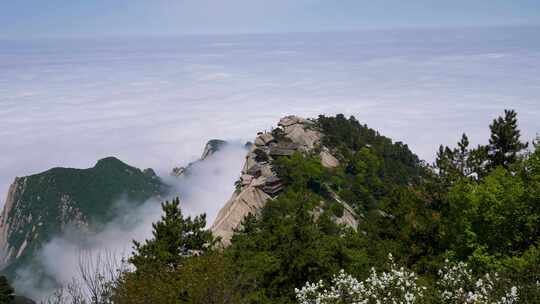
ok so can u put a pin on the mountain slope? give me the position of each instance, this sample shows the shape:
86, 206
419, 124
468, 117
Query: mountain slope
259, 181
43, 205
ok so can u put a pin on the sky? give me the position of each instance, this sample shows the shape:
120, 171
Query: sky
64, 18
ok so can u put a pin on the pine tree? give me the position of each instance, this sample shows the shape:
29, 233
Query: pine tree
7, 293
505, 144
478, 161
445, 164
462, 155
453, 164
174, 238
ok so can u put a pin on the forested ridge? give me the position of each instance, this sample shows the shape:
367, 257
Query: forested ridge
464, 229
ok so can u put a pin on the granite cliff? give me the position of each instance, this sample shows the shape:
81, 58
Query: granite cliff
259, 183
211, 147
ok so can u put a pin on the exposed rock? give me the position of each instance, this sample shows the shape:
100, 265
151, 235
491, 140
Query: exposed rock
300, 132
264, 139
258, 182
6, 227
249, 162
328, 160
292, 120
349, 217
211, 147
178, 171
250, 200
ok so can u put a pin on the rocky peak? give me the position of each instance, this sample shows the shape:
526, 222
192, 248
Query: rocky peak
211, 147
258, 181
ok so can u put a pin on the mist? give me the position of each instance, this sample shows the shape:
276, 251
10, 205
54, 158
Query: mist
208, 186
154, 102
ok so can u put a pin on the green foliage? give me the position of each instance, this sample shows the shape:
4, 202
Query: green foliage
279, 135
205, 279
404, 225
174, 238
56, 197
287, 245
476, 205
300, 172
260, 155
454, 164
504, 143
177, 265
347, 136
372, 165
7, 293
498, 216
467, 209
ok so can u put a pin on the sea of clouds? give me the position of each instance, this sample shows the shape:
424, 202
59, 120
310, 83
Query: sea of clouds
155, 102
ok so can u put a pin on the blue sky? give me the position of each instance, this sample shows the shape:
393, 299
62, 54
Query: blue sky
60, 18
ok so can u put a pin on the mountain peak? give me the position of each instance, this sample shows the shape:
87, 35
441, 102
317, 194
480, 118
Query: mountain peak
110, 161
42, 205
212, 146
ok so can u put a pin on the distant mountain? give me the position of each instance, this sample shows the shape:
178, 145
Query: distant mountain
211, 147
41, 206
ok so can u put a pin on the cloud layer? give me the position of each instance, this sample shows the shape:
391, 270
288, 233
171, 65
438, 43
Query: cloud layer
155, 102
204, 190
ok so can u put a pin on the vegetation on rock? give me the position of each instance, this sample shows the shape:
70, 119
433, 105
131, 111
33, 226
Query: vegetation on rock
473, 212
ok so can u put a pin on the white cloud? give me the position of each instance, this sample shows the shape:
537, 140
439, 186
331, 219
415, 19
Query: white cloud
143, 101
208, 185
214, 77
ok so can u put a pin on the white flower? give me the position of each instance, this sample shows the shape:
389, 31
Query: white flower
456, 285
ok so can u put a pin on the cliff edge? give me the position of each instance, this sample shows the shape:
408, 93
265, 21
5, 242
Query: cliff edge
259, 183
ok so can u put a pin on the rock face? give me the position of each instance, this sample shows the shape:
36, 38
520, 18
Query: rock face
211, 147
328, 160
258, 182
41, 206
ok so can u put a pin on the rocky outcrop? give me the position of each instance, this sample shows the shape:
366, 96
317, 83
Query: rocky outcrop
328, 160
259, 183
9, 221
211, 147
249, 200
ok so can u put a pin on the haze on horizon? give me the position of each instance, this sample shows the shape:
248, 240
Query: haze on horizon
153, 102
60, 18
